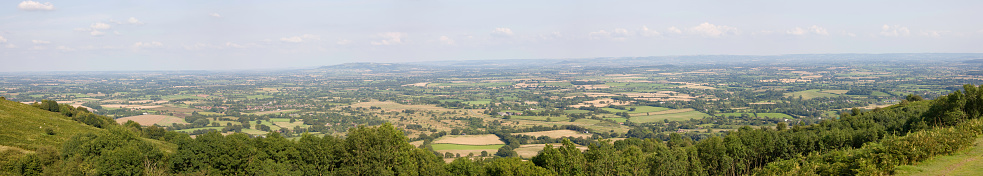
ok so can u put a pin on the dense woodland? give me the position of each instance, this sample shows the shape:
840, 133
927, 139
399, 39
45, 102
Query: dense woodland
857, 143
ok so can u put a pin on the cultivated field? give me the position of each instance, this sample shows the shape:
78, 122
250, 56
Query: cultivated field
557, 133
485, 139
531, 150
672, 115
147, 120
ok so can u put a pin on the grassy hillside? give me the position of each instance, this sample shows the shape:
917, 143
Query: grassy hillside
965, 162
24, 127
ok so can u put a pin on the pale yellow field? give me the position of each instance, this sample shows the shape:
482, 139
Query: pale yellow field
531, 150
486, 139
147, 120
557, 134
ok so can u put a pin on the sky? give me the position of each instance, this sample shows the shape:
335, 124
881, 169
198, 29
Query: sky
111, 35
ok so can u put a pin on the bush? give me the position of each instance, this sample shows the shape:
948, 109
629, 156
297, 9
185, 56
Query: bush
49, 131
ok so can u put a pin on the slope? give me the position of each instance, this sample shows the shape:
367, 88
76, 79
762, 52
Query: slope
968, 161
24, 128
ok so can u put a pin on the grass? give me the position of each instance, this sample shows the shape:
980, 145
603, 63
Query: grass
23, 126
809, 94
769, 115
575, 111
618, 119
478, 102
465, 147
672, 117
966, 162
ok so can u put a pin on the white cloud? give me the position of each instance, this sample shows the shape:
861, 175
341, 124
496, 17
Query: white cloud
934, 33
65, 48
711, 30
343, 42
599, 34
298, 39
502, 32
390, 38
851, 34
233, 45
133, 20
446, 40
98, 26
894, 31
3, 40
649, 32
10, 45
83, 29
216, 15
294, 39
35, 6
818, 30
116, 32
40, 42
796, 31
153, 44
553, 35
96, 33
674, 30
811, 30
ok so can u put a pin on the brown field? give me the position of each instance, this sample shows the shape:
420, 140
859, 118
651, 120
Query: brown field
417, 143
147, 120
557, 134
486, 139
531, 150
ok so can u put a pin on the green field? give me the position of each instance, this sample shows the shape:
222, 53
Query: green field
618, 119
810, 94
966, 162
672, 117
575, 111
465, 147
769, 115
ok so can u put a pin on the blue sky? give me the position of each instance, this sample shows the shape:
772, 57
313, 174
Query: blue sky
222, 35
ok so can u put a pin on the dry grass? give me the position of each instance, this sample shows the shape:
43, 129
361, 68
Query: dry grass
557, 134
147, 120
487, 139
530, 150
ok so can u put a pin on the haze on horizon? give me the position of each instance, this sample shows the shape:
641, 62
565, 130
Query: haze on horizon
60, 35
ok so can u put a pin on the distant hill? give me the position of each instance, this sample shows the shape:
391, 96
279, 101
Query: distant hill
23, 127
373, 67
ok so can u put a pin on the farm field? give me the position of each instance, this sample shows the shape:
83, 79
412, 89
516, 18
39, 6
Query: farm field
768, 115
161, 120
531, 150
557, 134
671, 115
485, 139
812, 93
